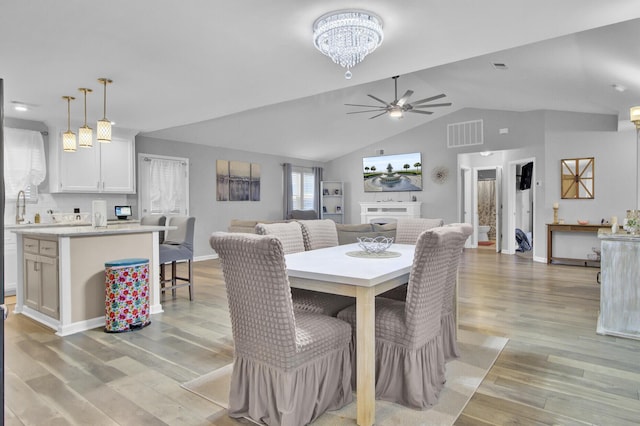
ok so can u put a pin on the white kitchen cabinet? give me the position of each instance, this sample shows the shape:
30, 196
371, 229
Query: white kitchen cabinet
41, 283
10, 263
104, 168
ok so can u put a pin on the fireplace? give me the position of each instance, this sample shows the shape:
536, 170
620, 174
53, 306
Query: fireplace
388, 211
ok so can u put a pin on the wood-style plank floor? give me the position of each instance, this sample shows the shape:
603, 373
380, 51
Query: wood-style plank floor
555, 369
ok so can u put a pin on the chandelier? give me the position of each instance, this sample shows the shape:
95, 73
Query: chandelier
347, 36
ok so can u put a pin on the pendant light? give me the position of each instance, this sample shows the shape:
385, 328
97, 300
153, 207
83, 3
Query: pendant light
103, 131
85, 133
68, 137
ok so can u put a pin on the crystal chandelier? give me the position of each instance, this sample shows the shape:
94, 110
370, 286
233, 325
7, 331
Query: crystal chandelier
347, 36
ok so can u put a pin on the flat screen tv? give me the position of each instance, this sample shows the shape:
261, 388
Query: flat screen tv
392, 173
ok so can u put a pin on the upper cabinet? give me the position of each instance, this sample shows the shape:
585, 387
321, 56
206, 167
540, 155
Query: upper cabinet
104, 168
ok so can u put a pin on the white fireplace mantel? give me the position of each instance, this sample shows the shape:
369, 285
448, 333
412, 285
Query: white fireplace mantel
388, 211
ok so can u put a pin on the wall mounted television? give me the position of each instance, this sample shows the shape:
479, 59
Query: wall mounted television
392, 173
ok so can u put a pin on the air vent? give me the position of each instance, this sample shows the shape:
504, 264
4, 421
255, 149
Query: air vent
499, 65
465, 133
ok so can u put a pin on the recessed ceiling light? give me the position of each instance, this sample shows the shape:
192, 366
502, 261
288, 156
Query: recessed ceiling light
618, 88
499, 65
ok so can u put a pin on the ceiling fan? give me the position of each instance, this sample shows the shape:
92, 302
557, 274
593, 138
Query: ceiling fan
398, 107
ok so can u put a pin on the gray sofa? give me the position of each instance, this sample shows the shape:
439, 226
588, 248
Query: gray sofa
347, 234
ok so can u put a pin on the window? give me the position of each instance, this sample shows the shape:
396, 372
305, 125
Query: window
24, 163
303, 188
164, 185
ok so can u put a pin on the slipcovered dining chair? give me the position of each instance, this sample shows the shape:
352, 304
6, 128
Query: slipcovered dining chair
319, 233
177, 247
155, 220
290, 235
407, 232
289, 367
409, 229
449, 326
410, 365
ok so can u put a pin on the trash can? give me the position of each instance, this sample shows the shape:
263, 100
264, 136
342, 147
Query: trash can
127, 294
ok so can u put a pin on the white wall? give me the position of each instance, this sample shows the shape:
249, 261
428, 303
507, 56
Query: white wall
614, 183
212, 215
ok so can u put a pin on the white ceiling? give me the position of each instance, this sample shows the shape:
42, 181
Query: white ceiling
244, 74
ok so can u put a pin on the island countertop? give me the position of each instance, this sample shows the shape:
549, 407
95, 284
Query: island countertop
621, 235
79, 231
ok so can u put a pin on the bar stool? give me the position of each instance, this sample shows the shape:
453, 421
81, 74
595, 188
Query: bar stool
177, 247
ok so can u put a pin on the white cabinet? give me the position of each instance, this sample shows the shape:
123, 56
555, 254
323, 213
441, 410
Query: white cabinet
104, 168
332, 201
10, 262
41, 283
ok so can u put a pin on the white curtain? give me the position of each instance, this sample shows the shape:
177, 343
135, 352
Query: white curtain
24, 160
166, 183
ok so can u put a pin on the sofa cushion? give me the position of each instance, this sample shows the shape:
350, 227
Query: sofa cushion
348, 234
385, 230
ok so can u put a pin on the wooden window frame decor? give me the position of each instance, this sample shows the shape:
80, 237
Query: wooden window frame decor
237, 181
577, 178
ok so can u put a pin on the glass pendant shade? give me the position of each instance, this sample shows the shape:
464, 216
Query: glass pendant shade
69, 141
103, 132
68, 137
85, 133
85, 137
634, 116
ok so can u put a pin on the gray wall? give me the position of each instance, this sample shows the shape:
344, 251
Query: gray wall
212, 215
546, 136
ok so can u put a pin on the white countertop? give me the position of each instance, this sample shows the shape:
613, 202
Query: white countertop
84, 230
30, 225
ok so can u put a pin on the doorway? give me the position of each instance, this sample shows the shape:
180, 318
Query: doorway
486, 190
521, 195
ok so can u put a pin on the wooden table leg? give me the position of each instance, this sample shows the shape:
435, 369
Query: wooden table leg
365, 344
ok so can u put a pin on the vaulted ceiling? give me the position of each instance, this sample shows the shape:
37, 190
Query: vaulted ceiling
244, 74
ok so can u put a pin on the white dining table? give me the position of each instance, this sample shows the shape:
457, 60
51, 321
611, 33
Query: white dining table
333, 270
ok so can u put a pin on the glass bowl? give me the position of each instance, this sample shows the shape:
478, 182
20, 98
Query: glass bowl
376, 244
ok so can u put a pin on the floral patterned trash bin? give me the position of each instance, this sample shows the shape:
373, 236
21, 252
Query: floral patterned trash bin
127, 294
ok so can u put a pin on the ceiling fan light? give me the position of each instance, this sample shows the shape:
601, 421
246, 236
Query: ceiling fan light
395, 113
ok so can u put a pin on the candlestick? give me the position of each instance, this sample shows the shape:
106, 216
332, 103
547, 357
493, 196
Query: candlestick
555, 213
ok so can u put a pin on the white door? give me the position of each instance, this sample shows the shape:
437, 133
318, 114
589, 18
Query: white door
163, 184
498, 209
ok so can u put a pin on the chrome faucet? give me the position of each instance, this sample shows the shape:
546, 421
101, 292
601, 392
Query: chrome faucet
20, 215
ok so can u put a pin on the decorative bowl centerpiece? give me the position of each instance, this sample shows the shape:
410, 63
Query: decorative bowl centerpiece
583, 222
375, 245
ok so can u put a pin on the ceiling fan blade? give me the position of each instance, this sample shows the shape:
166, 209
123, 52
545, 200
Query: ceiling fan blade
365, 106
379, 100
433, 105
404, 97
369, 110
433, 98
382, 113
420, 112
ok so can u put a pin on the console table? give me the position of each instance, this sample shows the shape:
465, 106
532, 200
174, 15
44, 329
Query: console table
558, 227
388, 211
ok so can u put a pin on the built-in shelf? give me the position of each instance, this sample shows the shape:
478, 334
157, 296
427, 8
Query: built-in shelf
332, 205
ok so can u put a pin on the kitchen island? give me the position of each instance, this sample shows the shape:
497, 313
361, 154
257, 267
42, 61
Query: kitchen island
620, 284
61, 281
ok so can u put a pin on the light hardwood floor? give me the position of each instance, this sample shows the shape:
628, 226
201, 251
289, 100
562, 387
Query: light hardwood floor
554, 370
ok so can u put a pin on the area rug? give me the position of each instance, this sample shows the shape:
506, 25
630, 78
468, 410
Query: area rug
486, 243
478, 352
